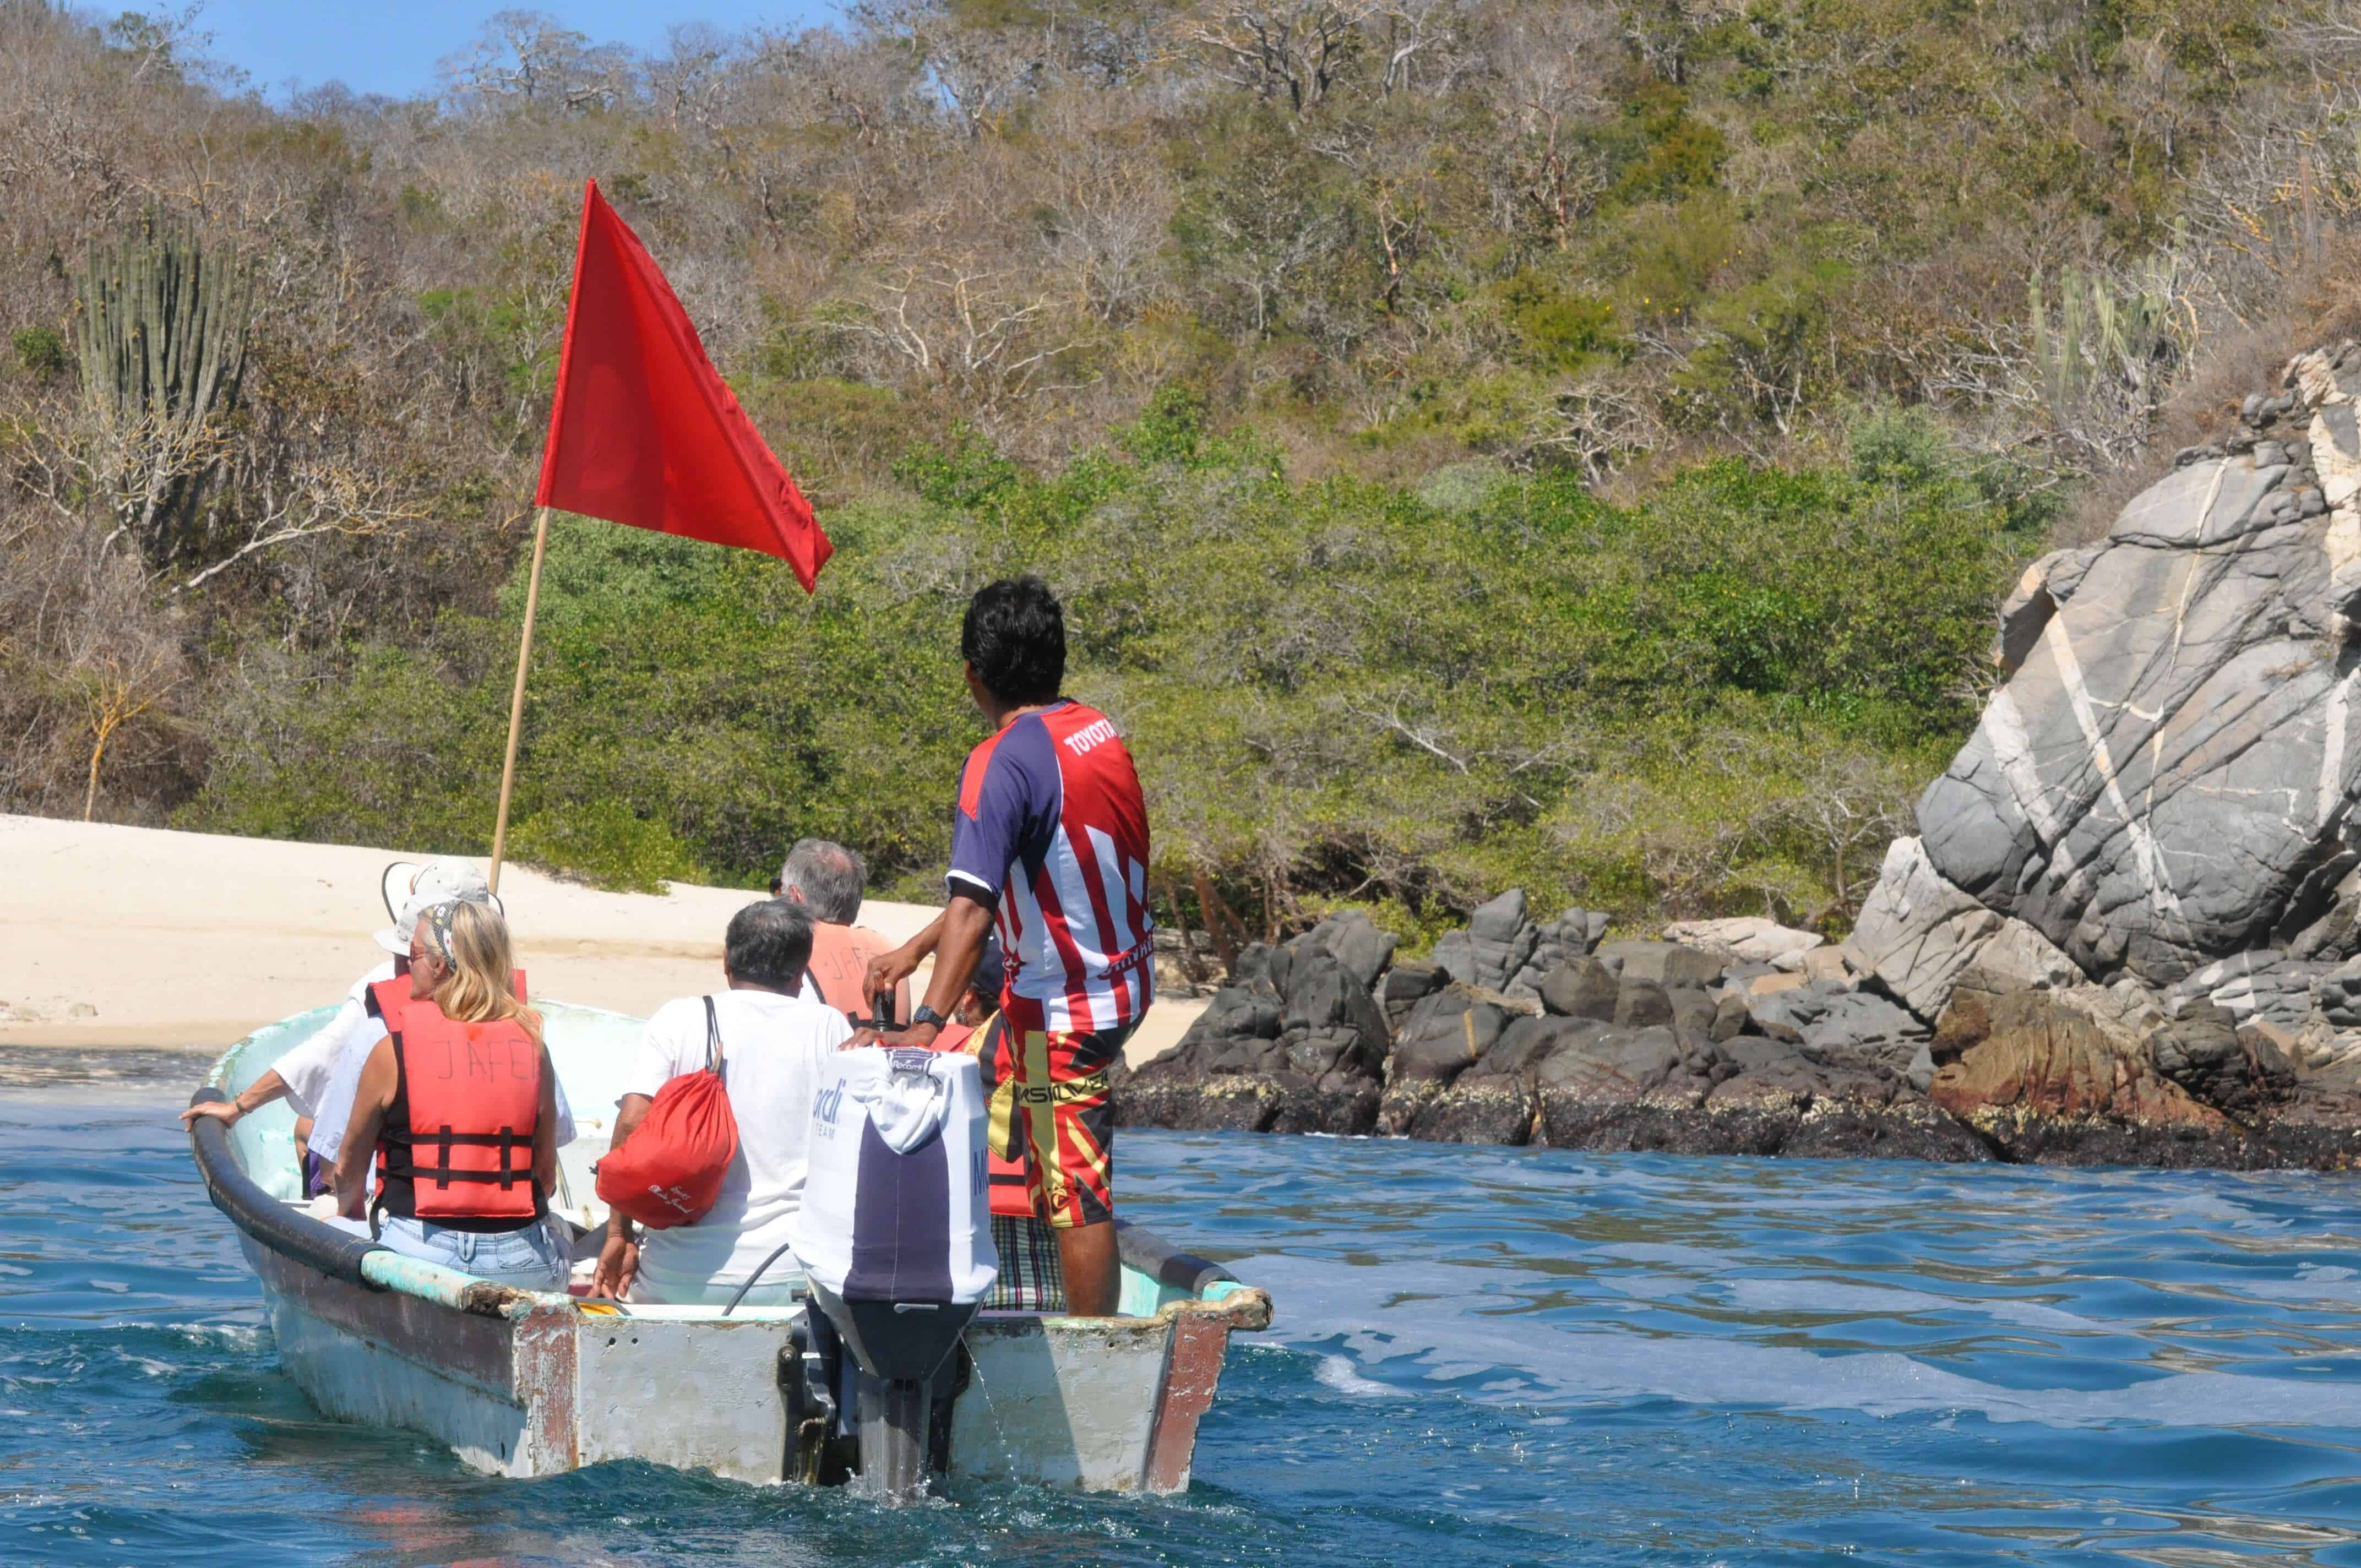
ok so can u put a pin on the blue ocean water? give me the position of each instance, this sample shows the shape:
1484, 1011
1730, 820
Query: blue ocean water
1482, 1356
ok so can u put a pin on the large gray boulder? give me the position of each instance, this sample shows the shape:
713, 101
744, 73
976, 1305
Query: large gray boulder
1748, 937
1495, 945
1918, 935
1504, 949
1840, 1028
2266, 985
1574, 934
1358, 946
2164, 778
1581, 988
1443, 1035
1665, 963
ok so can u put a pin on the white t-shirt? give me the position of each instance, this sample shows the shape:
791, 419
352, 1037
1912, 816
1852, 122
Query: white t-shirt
774, 1049
347, 1042
310, 1070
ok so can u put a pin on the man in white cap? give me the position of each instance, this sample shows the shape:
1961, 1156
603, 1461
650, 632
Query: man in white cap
319, 1077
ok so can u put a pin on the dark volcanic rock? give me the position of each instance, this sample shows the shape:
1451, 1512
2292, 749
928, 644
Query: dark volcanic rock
1667, 963
1573, 935
1493, 948
1580, 988
1443, 1035
1599, 1077
1323, 994
1295, 1043
1359, 947
1481, 1111
2239, 1072
1640, 1004
1238, 1104
1406, 983
1903, 1130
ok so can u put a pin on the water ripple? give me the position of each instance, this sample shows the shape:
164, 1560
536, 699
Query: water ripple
1482, 1356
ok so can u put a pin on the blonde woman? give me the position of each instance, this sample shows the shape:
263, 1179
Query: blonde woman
457, 1107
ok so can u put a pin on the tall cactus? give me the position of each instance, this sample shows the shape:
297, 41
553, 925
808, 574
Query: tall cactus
161, 332
2103, 334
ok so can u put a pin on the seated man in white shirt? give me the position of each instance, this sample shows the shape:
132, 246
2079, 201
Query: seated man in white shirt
774, 1044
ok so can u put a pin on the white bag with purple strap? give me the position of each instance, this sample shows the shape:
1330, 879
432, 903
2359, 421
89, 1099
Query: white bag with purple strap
895, 1207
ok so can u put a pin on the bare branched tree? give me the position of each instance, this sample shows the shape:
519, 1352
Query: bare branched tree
974, 329
983, 73
1290, 48
1554, 61
531, 58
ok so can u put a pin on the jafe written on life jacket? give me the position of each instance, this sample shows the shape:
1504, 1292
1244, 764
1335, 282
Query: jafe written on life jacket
459, 1145
483, 1054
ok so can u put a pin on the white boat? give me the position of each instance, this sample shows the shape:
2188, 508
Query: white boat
526, 1383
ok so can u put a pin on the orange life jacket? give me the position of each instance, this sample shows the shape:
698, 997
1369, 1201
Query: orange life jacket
840, 966
387, 998
457, 1140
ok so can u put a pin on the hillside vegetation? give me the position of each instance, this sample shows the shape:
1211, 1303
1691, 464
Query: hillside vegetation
1575, 444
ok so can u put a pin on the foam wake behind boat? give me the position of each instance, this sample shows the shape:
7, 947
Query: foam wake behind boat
527, 1383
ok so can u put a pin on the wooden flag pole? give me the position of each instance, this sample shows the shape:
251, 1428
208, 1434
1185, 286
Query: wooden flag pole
516, 700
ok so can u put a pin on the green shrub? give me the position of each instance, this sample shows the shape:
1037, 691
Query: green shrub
40, 352
1335, 690
603, 843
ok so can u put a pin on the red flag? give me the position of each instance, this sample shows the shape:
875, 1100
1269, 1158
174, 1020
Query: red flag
645, 431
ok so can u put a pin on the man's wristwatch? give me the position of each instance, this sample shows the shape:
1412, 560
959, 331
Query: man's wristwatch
922, 1014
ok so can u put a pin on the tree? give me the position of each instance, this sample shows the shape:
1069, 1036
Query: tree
1294, 47
530, 59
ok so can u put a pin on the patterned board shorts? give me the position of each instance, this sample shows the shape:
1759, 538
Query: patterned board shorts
1057, 1119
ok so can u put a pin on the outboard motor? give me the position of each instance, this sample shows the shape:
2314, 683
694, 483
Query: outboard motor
896, 1235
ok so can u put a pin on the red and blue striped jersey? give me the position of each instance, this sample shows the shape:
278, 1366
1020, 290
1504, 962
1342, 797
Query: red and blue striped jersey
1052, 832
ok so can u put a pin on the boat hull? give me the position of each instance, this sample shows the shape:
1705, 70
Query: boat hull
497, 1392
1098, 1404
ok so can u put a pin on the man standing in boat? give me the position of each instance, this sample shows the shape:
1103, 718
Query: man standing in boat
1049, 841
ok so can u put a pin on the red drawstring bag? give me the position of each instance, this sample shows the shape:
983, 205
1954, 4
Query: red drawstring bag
669, 1170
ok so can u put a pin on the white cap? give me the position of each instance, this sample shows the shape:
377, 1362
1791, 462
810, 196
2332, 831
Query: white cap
410, 889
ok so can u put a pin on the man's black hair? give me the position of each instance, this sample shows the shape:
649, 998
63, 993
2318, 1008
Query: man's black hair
769, 944
1014, 635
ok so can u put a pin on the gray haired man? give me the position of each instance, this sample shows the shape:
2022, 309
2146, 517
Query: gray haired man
828, 881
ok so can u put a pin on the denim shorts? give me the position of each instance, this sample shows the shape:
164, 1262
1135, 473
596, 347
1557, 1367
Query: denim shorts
538, 1257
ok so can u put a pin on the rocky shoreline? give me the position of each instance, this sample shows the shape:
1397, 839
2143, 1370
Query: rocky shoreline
1688, 1046
2128, 932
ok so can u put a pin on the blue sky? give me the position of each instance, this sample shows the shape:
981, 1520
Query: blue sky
391, 46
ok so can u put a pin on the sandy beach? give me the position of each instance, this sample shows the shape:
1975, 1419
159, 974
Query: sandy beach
114, 935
